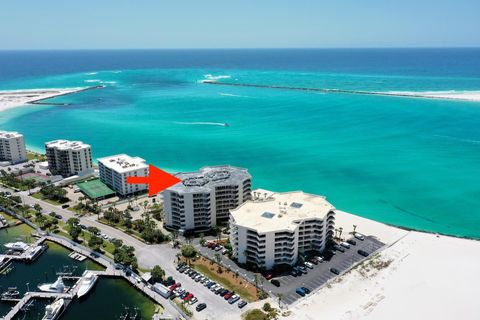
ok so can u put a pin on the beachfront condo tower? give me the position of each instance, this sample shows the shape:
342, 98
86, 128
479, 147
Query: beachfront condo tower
114, 171
12, 147
276, 228
68, 158
204, 198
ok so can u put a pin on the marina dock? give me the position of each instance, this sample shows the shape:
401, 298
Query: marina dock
28, 255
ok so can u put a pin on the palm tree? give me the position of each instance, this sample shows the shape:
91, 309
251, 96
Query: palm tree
279, 297
255, 279
340, 230
218, 259
354, 229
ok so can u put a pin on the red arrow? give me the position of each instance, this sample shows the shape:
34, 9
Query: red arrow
157, 181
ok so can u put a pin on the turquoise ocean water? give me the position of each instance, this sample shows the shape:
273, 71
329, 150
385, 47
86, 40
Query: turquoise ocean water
405, 161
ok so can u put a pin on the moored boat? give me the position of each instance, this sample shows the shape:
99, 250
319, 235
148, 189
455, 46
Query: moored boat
57, 286
86, 283
16, 246
53, 311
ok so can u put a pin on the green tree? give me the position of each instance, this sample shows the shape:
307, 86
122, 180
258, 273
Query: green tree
157, 274
267, 307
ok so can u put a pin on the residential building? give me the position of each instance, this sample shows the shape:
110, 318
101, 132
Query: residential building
114, 171
205, 197
12, 147
68, 158
276, 228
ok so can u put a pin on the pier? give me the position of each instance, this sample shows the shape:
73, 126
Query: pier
22, 303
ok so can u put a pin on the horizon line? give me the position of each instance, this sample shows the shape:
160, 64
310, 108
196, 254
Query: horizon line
244, 48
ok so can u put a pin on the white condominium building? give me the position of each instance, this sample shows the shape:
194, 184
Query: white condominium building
68, 158
205, 197
12, 147
114, 171
275, 228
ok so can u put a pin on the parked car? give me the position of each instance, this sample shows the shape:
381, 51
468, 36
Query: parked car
193, 301
58, 216
363, 253
295, 272
339, 248
275, 282
308, 265
318, 258
223, 292
228, 295
313, 260
306, 290
302, 269
218, 290
218, 248
233, 299
201, 306
211, 245
335, 271
52, 214
188, 297
345, 245
300, 291
224, 251
268, 276
359, 236
65, 206
242, 304
352, 242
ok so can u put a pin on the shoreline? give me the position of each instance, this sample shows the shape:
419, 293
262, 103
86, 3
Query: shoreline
471, 96
10, 99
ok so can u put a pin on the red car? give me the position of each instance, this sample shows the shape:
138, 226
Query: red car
173, 287
268, 276
188, 297
228, 295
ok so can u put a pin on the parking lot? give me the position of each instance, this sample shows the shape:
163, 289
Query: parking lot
165, 256
321, 273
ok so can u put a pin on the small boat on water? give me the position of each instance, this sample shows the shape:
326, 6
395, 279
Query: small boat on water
17, 246
53, 311
86, 283
57, 286
11, 292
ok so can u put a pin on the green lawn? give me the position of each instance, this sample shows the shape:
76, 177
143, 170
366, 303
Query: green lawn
224, 282
39, 196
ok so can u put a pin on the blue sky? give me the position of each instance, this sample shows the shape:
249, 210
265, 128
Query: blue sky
89, 24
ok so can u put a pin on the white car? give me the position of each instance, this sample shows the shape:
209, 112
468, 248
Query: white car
345, 245
359, 236
319, 259
193, 300
309, 265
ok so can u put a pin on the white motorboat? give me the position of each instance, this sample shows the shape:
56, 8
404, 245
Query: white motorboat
17, 246
86, 283
53, 311
57, 286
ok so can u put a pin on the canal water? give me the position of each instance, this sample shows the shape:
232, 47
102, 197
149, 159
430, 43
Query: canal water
109, 299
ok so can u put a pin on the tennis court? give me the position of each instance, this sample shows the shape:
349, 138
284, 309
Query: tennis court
95, 189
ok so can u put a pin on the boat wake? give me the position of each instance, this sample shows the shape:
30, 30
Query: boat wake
470, 141
232, 95
220, 124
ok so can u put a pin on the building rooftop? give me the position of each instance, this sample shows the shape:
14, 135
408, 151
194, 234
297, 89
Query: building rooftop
10, 134
208, 177
66, 145
269, 211
123, 163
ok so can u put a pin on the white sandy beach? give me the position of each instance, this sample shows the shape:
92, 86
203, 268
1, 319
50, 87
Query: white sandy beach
427, 277
17, 98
